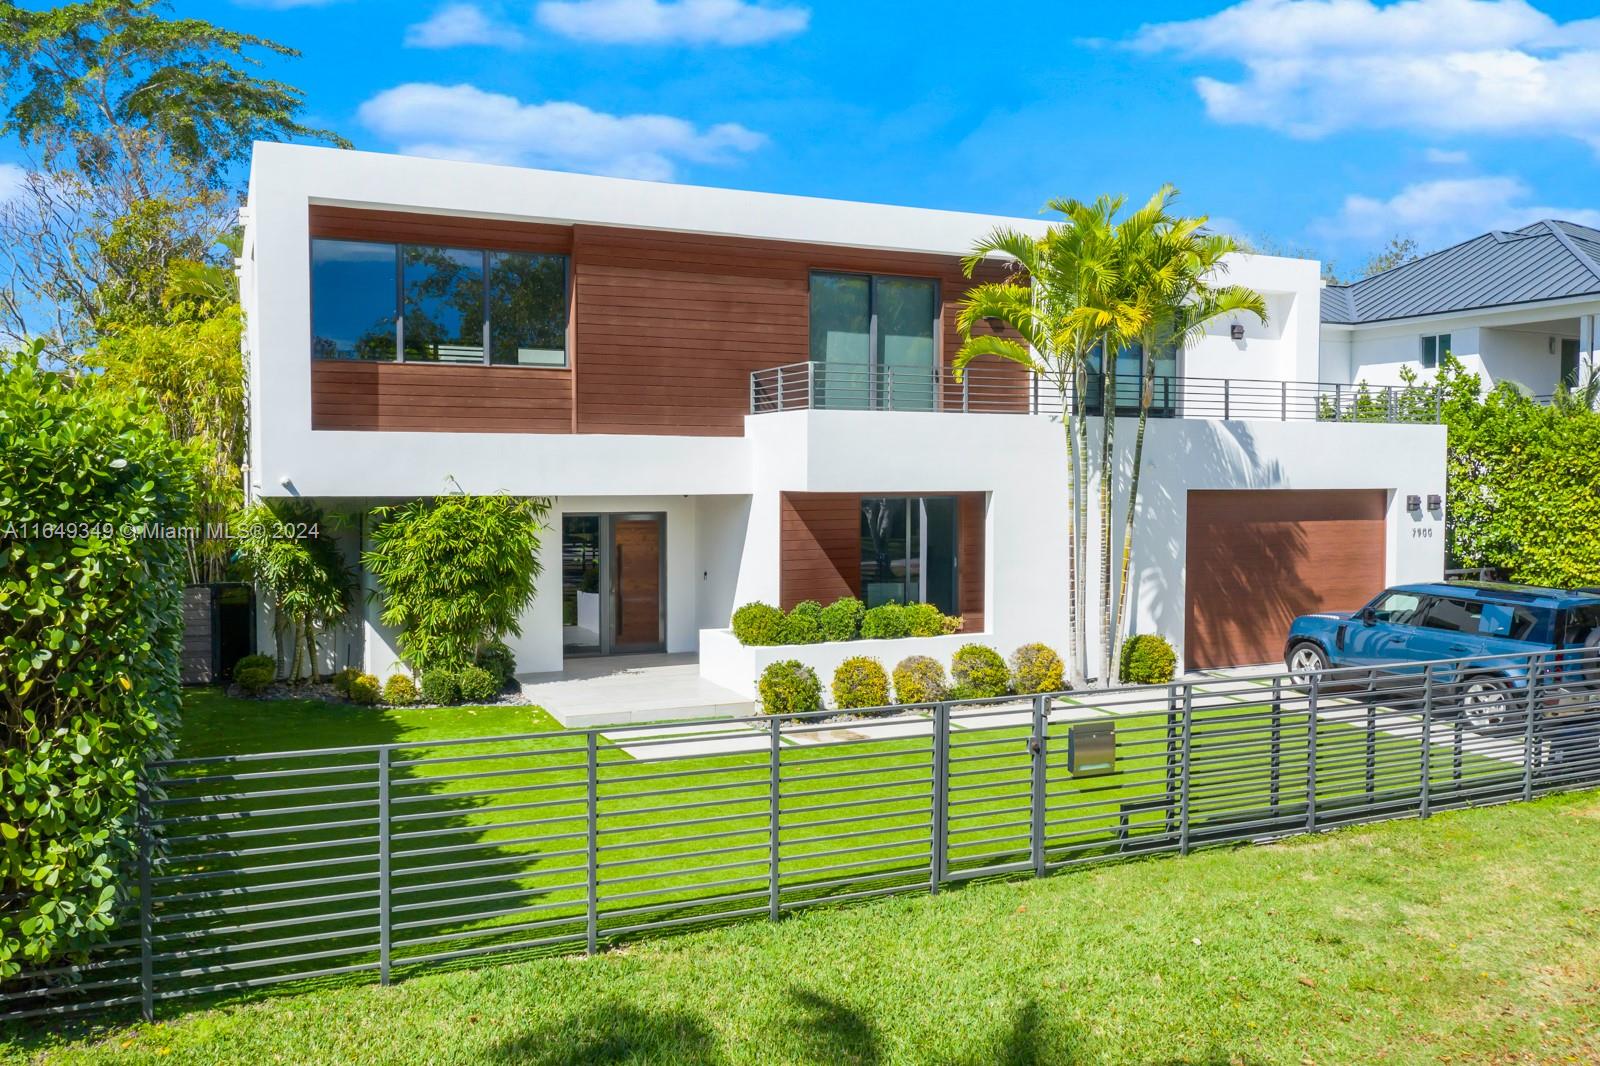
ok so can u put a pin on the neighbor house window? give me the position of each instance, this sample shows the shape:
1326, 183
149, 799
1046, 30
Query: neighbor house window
1435, 346
433, 304
908, 551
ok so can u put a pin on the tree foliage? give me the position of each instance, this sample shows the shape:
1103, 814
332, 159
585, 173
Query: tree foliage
1398, 252
90, 629
455, 573
288, 551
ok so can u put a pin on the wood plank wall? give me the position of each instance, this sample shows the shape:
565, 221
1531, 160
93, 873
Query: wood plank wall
819, 552
665, 331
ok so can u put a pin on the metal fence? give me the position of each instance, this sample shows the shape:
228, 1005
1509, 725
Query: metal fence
1007, 390
259, 869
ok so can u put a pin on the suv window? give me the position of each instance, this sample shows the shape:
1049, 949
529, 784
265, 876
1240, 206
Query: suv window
1582, 625
1397, 608
1456, 616
1510, 621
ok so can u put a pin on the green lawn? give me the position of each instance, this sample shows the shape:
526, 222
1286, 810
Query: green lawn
1473, 937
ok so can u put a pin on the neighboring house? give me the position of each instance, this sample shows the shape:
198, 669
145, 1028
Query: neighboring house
1511, 306
737, 396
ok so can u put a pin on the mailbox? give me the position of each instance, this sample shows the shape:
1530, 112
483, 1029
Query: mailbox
1092, 749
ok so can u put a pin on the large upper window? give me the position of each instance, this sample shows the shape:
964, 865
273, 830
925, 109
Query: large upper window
425, 303
872, 337
908, 551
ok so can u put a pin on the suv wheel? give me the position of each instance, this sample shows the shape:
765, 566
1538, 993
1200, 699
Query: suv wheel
1485, 702
1303, 660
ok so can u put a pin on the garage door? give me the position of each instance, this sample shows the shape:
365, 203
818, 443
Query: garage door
1257, 558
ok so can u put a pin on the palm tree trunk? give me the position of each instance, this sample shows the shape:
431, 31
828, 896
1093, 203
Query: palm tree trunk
1081, 649
1074, 534
1108, 431
1120, 615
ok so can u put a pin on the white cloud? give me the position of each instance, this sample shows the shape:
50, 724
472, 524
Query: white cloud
461, 24
465, 122
12, 179
1313, 67
1446, 157
1441, 212
729, 22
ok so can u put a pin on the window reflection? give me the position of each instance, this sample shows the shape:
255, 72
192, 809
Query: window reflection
443, 304
528, 308
352, 300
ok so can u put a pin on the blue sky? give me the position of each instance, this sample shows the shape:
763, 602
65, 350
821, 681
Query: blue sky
1320, 124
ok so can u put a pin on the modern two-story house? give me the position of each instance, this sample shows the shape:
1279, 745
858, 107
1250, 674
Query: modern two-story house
736, 396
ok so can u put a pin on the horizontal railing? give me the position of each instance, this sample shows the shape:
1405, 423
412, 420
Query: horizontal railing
1009, 390
376, 861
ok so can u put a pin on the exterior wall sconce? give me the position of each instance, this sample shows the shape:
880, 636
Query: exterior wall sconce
1435, 501
1236, 331
1414, 503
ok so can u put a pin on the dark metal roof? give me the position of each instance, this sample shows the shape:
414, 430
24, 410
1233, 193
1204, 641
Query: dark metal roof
1549, 260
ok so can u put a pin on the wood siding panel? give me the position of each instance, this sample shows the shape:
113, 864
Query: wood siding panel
819, 549
1258, 558
972, 523
411, 227
426, 397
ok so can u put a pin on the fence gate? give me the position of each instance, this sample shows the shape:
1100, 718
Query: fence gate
989, 789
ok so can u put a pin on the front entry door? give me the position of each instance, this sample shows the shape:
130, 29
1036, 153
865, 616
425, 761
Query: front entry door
613, 583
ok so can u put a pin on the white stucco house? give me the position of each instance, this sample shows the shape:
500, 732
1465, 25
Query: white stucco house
730, 396
1511, 306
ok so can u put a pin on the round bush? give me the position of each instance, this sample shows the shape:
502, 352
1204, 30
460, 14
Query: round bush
860, 682
341, 680
803, 624
980, 672
365, 690
1147, 659
919, 679
254, 680
441, 686
841, 619
499, 660
887, 621
255, 661
789, 686
1037, 668
758, 625
926, 620
399, 690
478, 685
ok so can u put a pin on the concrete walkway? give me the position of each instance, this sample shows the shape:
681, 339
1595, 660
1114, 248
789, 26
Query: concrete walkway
632, 689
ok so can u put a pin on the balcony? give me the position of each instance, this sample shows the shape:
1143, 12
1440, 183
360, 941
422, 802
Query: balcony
1008, 390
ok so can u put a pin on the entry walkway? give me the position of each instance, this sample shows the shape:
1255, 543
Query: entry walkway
631, 689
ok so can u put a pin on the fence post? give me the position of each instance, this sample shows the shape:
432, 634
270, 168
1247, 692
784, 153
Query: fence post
1171, 772
1227, 398
1311, 754
147, 968
773, 795
1036, 748
1372, 752
385, 922
1427, 740
1273, 785
1527, 732
938, 835
592, 864
1338, 403
1183, 795
1283, 401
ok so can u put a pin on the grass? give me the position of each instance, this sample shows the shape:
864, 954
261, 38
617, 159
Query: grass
1473, 937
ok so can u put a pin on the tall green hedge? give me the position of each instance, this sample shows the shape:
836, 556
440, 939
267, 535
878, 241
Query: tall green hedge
92, 495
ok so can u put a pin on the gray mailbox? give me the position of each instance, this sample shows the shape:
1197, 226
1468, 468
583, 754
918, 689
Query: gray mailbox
1092, 749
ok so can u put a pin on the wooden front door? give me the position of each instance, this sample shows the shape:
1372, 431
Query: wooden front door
636, 582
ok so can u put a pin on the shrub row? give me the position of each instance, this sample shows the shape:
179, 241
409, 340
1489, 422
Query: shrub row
478, 682
763, 625
977, 672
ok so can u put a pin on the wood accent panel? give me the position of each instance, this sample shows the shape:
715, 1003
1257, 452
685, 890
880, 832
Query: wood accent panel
819, 548
636, 567
819, 551
346, 394
1257, 558
456, 231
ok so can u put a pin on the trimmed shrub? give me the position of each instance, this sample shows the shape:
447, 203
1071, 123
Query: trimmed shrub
441, 686
860, 682
1147, 659
1037, 668
341, 680
919, 679
926, 620
758, 625
478, 685
841, 619
980, 672
887, 621
399, 690
365, 690
90, 630
803, 624
789, 686
255, 661
499, 660
254, 680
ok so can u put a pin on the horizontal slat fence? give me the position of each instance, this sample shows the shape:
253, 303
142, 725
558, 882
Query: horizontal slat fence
260, 869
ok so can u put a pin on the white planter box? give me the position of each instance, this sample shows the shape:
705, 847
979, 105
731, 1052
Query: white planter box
726, 662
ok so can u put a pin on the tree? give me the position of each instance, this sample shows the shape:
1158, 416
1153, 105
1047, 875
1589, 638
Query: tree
1398, 252
134, 122
286, 549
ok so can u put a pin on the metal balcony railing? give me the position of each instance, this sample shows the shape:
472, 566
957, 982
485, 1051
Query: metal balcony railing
1005, 390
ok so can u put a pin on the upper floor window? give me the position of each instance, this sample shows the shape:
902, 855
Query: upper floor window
1435, 346
425, 303
872, 338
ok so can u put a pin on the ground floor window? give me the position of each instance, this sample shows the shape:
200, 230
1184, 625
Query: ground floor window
909, 551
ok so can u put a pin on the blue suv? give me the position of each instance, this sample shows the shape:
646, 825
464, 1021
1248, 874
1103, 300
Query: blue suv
1454, 620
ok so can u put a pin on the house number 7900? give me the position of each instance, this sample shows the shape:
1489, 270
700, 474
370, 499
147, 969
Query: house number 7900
1422, 531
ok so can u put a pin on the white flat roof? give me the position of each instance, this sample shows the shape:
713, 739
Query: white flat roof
312, 174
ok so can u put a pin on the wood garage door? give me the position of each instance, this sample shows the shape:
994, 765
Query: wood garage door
1257, 558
